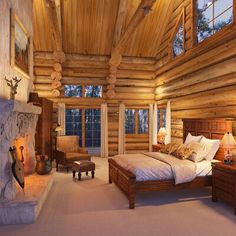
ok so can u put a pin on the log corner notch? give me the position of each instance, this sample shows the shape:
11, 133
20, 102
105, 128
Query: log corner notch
53, 8
116, 55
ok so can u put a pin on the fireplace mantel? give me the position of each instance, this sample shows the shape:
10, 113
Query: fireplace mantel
18, 106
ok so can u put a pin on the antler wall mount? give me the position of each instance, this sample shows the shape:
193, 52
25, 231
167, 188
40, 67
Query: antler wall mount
13, 84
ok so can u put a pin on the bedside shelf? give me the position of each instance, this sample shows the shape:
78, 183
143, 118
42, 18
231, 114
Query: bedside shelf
224, 183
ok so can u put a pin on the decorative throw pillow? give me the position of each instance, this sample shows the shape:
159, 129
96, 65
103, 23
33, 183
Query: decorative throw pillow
183, 152
169, 148
199, 151
191, 138
212, 146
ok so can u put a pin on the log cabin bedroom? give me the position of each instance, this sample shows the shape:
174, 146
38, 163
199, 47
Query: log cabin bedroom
117, 117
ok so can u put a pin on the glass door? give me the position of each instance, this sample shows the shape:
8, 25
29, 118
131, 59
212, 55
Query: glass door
93, 130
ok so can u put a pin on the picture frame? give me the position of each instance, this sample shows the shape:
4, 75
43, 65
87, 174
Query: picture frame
20, 46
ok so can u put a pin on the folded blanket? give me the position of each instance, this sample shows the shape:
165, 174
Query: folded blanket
183, 170
157, 166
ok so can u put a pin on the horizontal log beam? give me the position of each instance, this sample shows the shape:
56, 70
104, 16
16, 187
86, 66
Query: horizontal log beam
98, 101
211, 57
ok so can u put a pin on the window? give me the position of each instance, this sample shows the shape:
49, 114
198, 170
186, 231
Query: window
161, 118
73, 90
130, 121
74, 123
212, 16
92, 128
142, 121
88, 91
93, 91
177, 39
136, 121
178, 42
87, 122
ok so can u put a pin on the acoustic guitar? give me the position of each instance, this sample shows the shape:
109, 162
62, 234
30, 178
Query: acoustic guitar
17, 167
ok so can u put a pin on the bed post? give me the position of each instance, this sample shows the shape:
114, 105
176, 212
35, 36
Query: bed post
131, 194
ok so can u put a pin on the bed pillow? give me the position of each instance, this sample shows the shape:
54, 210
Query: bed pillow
212, 146
199, 151
191, 138
183, 152
169, 148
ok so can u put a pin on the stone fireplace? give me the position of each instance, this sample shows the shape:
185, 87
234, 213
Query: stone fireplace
18, 122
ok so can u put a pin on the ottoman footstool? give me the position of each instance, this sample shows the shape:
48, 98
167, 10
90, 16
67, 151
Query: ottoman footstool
83, 166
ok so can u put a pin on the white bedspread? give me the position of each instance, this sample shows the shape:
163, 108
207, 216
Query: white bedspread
158, 166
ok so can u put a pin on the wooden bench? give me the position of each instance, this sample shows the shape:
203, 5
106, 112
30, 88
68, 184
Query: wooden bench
83, 166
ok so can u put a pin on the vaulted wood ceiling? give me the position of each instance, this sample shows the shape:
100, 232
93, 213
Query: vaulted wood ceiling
93, 27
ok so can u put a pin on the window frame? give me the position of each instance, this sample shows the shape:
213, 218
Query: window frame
83, 91
180, 20
83, 108
214, 36
136, 127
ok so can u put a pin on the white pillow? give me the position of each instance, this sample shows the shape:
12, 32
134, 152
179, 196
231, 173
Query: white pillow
190, 138
199, 151
212, 146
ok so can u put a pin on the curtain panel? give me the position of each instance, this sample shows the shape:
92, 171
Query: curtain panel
104, 130
168, 123
61, 120
121, 142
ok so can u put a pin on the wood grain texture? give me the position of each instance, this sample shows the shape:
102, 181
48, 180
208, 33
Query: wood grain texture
223, 183
126, 180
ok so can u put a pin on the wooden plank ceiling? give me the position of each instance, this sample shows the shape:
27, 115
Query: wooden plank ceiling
93, 27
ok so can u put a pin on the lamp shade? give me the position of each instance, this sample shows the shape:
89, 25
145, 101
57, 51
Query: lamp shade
228, 140
58, 128
162, 131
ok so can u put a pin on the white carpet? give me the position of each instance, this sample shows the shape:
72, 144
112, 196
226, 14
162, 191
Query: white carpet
93, 207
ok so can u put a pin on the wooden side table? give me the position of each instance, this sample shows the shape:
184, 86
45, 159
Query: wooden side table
224, 183
157, 147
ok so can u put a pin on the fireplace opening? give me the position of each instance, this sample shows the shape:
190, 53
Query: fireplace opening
25, 152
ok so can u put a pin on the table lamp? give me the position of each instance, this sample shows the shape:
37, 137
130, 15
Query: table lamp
228, 142
58, 128
161, 135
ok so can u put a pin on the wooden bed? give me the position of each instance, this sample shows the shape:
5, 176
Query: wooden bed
126, 180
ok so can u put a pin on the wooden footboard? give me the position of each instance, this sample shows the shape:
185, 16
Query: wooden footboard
124, 179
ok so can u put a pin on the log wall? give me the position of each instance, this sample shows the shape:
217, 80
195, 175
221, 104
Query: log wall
134, 87
201, 83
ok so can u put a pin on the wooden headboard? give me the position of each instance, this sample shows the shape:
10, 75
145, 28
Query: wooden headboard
210, 128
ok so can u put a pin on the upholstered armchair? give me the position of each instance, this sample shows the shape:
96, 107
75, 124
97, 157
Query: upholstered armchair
68, 151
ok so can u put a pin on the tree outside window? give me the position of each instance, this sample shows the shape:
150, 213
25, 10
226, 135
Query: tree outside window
93, 91
178, 42
73, 90
212, 16
136, 121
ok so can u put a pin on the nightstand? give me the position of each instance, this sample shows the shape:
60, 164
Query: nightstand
224, 183
157, 147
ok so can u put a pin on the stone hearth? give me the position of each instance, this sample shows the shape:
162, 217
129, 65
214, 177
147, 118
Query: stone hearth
26, 206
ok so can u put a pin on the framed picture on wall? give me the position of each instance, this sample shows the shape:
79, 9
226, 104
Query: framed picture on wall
20, 45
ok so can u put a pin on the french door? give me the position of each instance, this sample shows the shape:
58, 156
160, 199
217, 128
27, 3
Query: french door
87, 124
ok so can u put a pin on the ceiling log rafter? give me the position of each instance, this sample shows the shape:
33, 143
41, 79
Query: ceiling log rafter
120, 40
